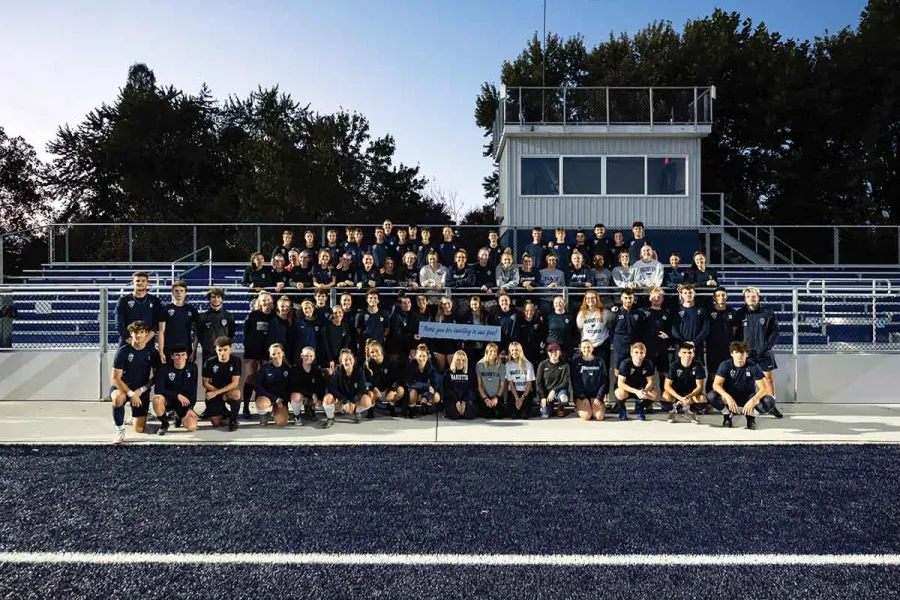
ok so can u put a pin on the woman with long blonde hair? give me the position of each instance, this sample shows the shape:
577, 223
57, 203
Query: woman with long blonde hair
459, 397
519, 373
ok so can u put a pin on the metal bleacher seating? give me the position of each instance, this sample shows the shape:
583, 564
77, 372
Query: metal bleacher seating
836, 308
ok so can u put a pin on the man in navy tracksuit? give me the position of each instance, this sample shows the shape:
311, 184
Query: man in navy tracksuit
626, 328
722, 322
690, 323
758, 327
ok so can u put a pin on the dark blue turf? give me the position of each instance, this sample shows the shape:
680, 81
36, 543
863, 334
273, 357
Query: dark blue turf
451, 499
448, 583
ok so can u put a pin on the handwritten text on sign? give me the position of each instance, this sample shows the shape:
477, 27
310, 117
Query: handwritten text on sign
456, 331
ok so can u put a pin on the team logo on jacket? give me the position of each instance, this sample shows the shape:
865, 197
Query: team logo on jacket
171, 376
224, 322
713, 316
188, 374
130, 357
215, 368
131, 304
171, 311
679, 372
680, 313
733, 372
285, 373
762, 320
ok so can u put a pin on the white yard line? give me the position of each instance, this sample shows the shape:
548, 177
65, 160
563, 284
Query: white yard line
553, 560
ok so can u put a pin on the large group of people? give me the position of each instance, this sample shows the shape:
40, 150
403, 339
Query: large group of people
569, 334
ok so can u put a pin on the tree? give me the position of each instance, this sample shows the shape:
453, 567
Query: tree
158, 154
23, 205
804, 132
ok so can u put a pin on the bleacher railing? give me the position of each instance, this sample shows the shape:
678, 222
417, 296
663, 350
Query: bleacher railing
823, 318
851, 246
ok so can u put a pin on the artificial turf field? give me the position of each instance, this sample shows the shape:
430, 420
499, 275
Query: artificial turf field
437, 521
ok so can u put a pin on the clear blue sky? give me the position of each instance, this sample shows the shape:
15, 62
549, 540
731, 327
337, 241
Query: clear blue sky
412, 67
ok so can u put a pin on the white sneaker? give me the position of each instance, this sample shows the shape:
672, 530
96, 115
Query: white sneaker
119, 439
128, 420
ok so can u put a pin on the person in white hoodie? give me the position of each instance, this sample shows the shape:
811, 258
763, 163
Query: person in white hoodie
647, 273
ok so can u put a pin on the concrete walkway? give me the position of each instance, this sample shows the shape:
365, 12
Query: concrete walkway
91, 423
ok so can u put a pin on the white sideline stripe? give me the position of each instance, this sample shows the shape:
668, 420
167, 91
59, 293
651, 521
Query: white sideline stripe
554, 560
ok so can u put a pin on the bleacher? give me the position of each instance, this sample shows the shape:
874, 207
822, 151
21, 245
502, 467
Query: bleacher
835, 305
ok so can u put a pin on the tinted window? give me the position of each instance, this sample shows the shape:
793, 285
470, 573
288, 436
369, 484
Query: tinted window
540, 176
582, 175
625, 175
666, 176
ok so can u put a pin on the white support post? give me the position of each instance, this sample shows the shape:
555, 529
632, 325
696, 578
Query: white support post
795, 335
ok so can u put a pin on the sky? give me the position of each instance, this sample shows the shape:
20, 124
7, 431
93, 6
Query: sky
413, 68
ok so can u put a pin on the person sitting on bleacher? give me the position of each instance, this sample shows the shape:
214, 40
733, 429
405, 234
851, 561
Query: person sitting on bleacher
494, 248
460, 274
344, 273
506, 275
529, 277
647, 273
535, 249
281, 279
484, 272
368, 276
622, 275
301, 275
287, 239
323, 277
559, 248
447, 248
637, 243
579, 275
705, 280
258, 276
433, 275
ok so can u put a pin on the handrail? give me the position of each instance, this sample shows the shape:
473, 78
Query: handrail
209, 261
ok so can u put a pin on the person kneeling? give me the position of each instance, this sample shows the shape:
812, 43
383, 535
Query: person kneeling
589, 383
459, 394
273, 388
346, 390
554, 383
175, 391
683, 394
740, 387
222, 382
636, 380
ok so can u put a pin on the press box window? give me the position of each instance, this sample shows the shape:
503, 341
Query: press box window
625, 176
666, 176
582, 175
540, 176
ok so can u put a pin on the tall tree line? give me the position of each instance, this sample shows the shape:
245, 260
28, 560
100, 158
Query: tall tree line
804, 131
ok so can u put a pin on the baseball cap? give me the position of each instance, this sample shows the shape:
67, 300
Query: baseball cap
553, 348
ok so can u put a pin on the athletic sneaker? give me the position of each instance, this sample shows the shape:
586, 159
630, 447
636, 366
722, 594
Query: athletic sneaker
232, 424
128, 420
370, 414
328, 423
263, 419
671, 418
560, 411
177, 421
726, 421
298, 420
163, 428
776, 413
641, 416
623, 416
545, 412
119, 438
751, 422
692, 418
357, 418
